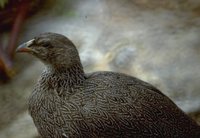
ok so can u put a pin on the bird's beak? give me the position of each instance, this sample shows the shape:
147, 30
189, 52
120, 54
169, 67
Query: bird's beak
25, 47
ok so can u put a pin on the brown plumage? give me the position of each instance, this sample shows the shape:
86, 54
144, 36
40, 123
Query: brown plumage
68, 103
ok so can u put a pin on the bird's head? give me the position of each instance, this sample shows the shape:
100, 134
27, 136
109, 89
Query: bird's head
52, 49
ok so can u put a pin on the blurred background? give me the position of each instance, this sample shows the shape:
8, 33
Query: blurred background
156, 41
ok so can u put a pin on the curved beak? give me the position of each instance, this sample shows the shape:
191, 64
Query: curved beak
25, 47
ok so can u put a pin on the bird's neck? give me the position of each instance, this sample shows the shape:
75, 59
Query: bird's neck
63, 77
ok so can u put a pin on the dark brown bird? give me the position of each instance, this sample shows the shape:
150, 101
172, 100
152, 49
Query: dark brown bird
68, 103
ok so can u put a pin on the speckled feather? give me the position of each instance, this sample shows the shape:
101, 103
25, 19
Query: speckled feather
68, 103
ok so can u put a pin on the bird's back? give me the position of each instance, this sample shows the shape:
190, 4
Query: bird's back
123, 106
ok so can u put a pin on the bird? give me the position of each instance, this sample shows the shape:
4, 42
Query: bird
68, 103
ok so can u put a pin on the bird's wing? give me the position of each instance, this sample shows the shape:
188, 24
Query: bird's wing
113, 105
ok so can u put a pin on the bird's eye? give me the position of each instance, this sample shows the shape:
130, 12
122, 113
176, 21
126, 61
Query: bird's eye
46, 44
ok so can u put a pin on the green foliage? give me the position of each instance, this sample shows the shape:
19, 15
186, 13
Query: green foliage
3, 3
